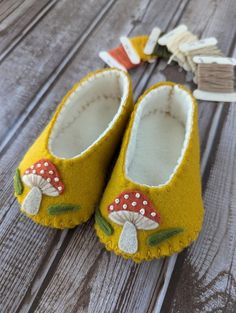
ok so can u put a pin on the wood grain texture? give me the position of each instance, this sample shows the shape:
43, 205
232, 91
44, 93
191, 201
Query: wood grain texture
34, 287
9, 7
41, 52
70, 271
205, 276
203, 280
30, 245
12, 33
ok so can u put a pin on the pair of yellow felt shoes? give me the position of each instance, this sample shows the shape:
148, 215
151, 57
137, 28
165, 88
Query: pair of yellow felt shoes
151, 206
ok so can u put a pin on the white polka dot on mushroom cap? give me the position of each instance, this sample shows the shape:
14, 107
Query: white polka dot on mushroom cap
111, 207
117, 201
137, 195
50, 172
134, 203
153, 214
56, 179
32, 166
126, 196
125, 206
59, 188
45, 163
38, 165
49, 180
142, 211
34, 171
145, 202
41, 172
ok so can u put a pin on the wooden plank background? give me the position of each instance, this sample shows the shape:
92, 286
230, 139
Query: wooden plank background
45, 47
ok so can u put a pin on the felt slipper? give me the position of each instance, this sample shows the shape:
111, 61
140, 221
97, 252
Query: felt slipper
61, 177
152, 205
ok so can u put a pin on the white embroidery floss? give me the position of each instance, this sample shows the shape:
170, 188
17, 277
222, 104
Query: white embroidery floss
206, 47
173, 40
216, 78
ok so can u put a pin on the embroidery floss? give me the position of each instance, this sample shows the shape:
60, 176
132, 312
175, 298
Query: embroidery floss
111, 61
121, 56
206, 47
130, 50
134, 47
174, 44
161, 52
216, 78
173, 40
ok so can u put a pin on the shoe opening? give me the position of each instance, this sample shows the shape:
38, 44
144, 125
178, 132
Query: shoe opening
160, 135
89, 113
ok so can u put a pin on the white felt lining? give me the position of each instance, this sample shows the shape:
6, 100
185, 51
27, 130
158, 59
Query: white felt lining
159, 136
89, 113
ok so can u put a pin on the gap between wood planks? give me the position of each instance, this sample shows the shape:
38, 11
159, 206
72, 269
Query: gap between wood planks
169, 263
10, 136
138, 92
208, 163
212, 138
28, 27
14, 12
8, 8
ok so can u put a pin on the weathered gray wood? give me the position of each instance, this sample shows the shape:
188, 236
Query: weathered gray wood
204, 278
11, 34
207, 268
190, 289
18, 260
31, 129
12, 10
8, 7
70, 271
54, 286
40, 53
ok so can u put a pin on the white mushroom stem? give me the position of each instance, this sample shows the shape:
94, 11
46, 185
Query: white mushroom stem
32, 201
128, 241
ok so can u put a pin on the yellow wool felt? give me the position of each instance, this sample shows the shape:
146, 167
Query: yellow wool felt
139, 43
83, 176
178, 202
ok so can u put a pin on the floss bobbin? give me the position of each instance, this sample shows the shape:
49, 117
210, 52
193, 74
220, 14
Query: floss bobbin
130, 50
134, 47
152, 41
207, 46
216, 78
173, 40
111, 61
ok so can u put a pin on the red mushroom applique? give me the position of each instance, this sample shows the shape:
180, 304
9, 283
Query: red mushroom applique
133, 211
43, 178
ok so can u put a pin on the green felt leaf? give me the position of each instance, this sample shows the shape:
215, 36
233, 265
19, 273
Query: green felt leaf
57, 209
163, 235
103, 223
18, 186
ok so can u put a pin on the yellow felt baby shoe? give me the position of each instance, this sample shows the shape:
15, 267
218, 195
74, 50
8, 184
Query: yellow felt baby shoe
61, 177
152, 206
